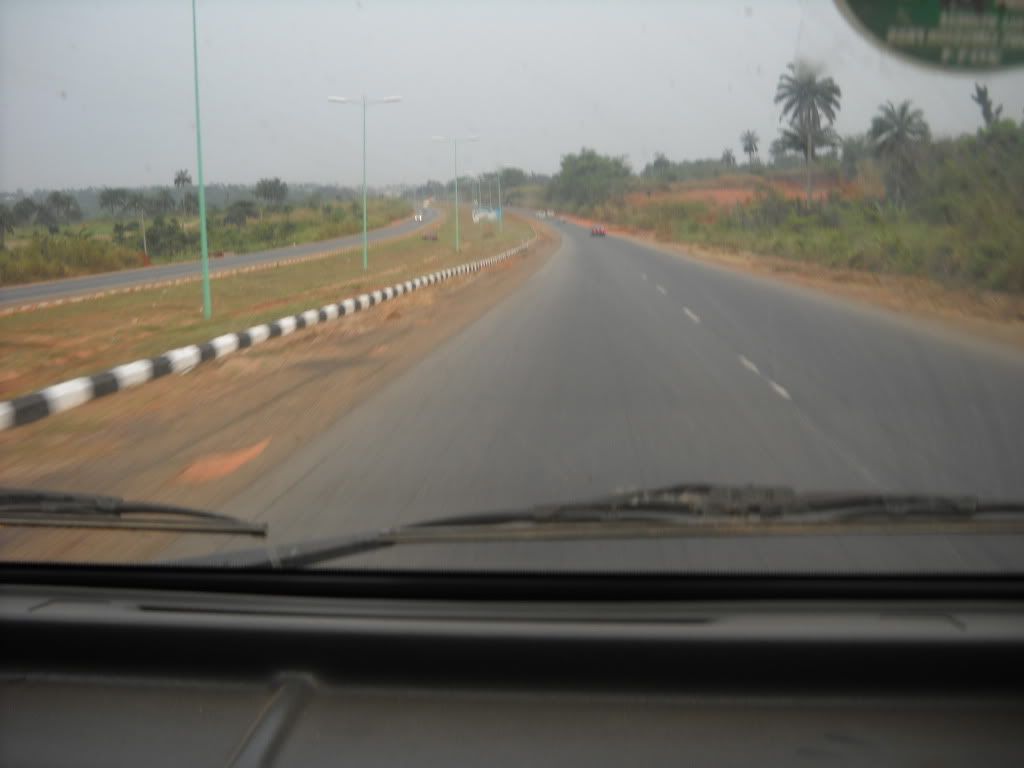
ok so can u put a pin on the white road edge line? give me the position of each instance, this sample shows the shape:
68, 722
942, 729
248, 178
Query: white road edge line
749, 365
692, 315
780, 390
661, 290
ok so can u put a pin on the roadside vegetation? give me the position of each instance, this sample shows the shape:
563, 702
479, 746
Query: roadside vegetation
56, 343
50, 237
892, 199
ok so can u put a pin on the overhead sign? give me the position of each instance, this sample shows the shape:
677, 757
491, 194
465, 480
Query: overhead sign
968, 35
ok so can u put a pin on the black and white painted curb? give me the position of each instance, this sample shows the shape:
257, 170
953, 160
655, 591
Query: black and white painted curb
70, 394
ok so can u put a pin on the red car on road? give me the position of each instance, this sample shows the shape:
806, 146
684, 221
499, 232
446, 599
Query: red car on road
597, 231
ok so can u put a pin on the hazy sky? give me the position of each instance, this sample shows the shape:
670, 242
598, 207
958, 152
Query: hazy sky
99, 92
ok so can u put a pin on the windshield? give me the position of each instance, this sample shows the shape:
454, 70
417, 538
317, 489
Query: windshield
281, 275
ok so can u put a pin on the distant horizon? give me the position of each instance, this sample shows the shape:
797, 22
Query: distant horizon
210, 184
411, 185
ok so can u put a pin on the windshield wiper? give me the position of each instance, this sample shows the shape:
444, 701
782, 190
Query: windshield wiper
706, 503
82, 510
767, 503
661, 511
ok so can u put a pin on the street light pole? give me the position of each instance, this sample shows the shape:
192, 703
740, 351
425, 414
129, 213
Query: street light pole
203, 244
455, 163
365, 103
366, 235
501, 211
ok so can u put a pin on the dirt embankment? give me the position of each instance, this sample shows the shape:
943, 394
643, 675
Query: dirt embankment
727, 191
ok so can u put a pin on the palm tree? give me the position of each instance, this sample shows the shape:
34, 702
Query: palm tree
983, 100
45, 216
796, 140
728, 158
64, 206
113, 199
24, 211
805, 99
749, 140
895, 131
182, 179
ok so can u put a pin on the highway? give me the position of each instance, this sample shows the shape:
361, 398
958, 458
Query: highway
618, 366
16, 295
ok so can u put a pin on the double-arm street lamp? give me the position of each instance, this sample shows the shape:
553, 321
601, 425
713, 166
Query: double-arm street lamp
365, 102
455, 141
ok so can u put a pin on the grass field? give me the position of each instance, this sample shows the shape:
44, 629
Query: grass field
53, 344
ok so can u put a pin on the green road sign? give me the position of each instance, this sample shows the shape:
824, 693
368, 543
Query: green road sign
968, 35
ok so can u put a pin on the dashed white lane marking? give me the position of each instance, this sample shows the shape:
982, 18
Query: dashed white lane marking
779, 390
692, 315
643, 275
661, 290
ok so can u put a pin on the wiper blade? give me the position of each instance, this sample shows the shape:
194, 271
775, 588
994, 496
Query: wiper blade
894, 508
674, 504
678, 502
716, 503
80, 510
690, 500
671, 510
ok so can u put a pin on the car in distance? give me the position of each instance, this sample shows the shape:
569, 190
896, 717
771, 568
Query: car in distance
598, 230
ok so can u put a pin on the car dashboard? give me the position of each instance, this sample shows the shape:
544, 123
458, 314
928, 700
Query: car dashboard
385, 669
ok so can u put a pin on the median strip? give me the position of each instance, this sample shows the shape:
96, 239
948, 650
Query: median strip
70, 394
215, 274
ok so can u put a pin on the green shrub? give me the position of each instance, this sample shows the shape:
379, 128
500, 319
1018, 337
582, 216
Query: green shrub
960, 220
47, 257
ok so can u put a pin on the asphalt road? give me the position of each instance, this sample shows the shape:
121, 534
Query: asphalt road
617, 366
16, 295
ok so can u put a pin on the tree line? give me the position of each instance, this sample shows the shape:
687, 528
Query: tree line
948, 208
809, 105
60, 209
56, 210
